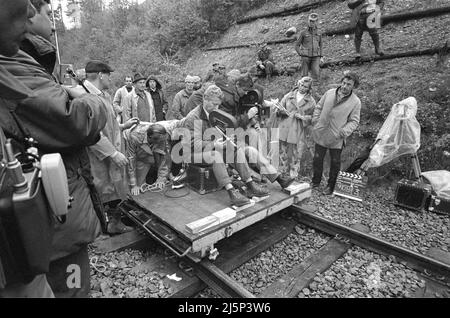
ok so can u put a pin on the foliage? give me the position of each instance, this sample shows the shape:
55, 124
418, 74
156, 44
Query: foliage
153, 37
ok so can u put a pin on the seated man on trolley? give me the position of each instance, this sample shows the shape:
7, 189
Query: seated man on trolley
202, 150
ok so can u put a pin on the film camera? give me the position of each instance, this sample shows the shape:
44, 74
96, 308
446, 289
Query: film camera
252, 98
33, 192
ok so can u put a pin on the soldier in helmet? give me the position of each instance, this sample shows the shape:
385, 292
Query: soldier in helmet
366, 16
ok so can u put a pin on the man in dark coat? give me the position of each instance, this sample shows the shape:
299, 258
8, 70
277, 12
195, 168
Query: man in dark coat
366, 16
160, 104
13, 18
63, 120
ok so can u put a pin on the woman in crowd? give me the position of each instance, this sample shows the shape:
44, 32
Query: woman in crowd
293, 118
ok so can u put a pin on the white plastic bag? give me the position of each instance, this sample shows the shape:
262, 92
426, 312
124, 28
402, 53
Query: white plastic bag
440, 181
399, 135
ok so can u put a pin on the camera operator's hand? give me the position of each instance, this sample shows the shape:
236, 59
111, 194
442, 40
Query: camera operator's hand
135, 190
130, 122
74, 91
119, 159
252, 112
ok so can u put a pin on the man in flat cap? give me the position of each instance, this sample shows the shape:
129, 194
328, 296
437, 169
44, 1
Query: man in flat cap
309, 48
366, 16
107, 157
139, 103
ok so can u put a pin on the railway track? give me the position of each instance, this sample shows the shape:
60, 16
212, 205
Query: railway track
244, 245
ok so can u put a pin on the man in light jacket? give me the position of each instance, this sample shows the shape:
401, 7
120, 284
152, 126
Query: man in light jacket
107, 157
121, 93
309, 48
139, 103
335, 118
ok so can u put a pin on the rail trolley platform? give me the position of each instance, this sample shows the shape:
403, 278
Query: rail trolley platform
165, 218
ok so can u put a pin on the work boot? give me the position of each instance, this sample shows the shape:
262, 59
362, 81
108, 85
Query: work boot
284, 181
358, 48
328, 191
256, 190
237, 198
376, 42
315, 185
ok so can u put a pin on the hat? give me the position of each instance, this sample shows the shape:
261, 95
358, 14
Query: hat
95, 66
313, 17
196, 79
137, 77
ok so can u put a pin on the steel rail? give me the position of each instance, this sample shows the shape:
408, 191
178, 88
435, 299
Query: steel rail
415, 260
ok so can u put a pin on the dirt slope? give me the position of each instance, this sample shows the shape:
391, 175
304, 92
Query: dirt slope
383, 83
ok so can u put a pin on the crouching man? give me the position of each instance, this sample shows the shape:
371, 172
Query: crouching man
148, 144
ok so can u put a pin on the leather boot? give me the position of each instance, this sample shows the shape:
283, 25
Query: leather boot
284, 181
376, 42
237, 198
256, 190
358, 47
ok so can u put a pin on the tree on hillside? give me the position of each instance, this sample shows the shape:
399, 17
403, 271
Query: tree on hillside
59, 24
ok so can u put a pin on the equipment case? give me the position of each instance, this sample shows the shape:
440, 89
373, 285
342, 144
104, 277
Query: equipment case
414, 195
201, 179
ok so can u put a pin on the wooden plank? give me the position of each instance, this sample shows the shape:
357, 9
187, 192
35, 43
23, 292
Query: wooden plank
120, 242
238, 249
301, 276
234, 251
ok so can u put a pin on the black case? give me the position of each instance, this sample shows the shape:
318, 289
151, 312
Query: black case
413, 195
201, 179
439, 205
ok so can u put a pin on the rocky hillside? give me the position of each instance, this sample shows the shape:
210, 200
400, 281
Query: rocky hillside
383, 83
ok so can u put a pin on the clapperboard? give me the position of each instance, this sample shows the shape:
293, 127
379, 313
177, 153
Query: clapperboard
350, 185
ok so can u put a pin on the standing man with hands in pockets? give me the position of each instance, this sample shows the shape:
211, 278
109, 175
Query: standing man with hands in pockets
107, 157
335, 118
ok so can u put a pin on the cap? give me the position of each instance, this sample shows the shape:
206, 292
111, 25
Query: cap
313, 17
196, 79
137, 77
95, 66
